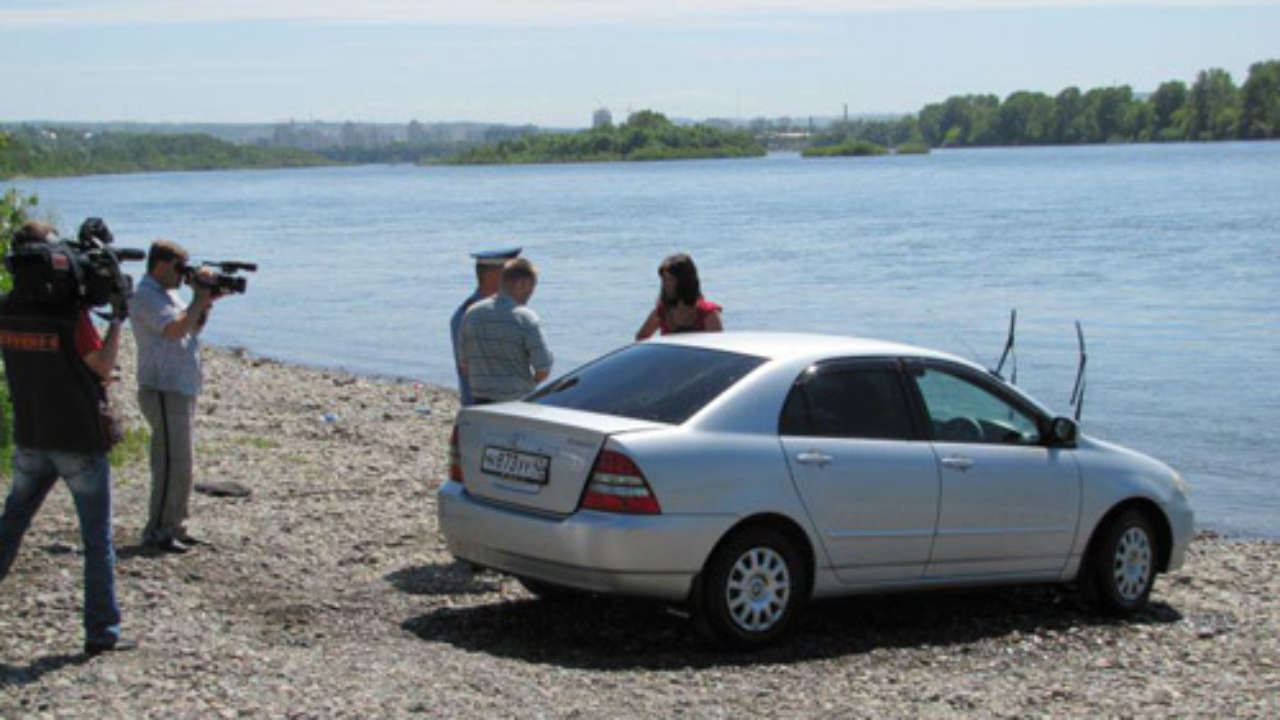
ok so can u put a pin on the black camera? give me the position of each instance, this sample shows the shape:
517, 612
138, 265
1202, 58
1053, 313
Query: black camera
225, 281
83, 272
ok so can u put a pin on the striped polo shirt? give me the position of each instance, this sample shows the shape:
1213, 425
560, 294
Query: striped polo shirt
503, 345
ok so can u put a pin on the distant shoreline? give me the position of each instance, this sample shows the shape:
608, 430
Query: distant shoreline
9, 179
42, 152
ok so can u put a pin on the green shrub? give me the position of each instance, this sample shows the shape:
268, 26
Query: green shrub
851, 148
134, 448
13, 213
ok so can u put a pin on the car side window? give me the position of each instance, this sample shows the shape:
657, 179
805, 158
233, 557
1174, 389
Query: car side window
849, 403
962, 411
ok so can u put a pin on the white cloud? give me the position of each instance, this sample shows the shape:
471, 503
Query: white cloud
511, 12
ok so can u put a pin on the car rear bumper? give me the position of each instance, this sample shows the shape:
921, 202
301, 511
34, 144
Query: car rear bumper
654, 556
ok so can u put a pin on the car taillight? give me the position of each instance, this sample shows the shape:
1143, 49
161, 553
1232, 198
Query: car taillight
617, 485
455, 457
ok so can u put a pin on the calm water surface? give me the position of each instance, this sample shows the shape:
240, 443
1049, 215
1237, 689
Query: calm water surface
1169, 255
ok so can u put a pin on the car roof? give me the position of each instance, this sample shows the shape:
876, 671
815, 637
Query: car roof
812, 347
790, 345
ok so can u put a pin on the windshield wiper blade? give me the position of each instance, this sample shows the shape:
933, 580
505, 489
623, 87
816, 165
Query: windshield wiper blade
564, 384
1077, 393
1008, 348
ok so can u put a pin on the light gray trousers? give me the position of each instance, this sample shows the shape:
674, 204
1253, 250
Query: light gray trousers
169, 414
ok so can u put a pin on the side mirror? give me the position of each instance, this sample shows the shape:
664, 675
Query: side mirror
1064, 430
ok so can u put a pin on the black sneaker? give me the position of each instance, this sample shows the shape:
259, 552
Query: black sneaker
92, 648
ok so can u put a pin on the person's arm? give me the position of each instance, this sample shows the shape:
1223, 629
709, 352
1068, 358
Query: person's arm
536, 347
103, 360
455, 336
712, 322
463, 348
191, 321
649, 327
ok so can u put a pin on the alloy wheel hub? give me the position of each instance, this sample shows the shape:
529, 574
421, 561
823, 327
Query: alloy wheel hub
758, 590
1132, 568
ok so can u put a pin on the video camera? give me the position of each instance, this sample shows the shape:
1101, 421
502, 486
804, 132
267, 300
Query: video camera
225, 281
84, 272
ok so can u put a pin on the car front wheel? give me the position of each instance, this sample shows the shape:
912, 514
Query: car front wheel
752, 587
1122, 568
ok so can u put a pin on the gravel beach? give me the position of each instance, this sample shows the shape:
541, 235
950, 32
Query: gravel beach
328, 593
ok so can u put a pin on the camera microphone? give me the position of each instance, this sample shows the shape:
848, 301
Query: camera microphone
129, 253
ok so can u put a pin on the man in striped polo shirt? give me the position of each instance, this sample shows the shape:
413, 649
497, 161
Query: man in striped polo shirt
504, 355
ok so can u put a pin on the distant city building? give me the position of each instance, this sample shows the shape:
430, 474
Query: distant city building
416, 133
602, 118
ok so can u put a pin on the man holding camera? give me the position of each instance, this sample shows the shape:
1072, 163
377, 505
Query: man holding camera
57, 367
169, 379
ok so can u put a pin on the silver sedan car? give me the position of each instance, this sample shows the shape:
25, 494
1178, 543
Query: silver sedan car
741, 474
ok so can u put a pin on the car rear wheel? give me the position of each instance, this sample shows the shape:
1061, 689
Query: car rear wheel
752, 587
1122, 567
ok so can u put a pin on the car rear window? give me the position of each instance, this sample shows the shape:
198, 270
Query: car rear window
649, 381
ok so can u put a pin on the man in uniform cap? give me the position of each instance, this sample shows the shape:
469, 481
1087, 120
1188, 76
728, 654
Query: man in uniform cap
488, 277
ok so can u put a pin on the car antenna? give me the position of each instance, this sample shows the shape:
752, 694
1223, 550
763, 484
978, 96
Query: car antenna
1077, 393
1008, 349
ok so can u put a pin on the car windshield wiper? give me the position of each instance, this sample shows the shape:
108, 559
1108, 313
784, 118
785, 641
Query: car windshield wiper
564, 384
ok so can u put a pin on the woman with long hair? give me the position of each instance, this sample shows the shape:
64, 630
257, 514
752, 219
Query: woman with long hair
681, 307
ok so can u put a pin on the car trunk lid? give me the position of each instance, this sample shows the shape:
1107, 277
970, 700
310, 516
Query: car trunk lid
534, 457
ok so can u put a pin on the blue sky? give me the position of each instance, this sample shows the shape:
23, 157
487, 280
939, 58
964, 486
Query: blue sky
552, 62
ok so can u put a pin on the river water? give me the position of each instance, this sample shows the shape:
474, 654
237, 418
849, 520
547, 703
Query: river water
1169, 255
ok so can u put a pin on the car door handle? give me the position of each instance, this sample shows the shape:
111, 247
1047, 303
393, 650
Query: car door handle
957, 462
813, 457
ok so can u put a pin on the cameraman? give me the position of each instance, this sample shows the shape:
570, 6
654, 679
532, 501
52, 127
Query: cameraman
169, 379
57, 366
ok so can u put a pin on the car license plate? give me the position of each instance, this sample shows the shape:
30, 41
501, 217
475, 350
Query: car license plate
515, 464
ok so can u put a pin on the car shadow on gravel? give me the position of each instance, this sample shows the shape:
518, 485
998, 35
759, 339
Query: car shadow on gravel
611, 633
455, 578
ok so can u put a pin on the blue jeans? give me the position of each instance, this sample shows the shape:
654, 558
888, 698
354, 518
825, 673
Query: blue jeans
89, 478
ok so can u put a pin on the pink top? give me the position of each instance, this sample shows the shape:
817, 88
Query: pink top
703, 308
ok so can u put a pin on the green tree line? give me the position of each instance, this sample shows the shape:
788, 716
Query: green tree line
421, 147
392, 153
42, 152
848, 148
1211, 108
646, 135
